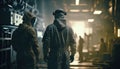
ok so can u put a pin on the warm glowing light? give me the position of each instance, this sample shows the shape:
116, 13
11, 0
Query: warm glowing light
110, 10
118, 33
88, 31
97, 12
78, 27
77, 2
90, 20
85, 10
73, 10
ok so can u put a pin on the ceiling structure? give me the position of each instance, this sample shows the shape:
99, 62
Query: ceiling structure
76, 9
81, 10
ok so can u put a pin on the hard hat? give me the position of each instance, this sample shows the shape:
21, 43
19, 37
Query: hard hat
59, 11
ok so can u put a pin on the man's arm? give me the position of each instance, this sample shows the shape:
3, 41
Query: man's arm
46, 43
34, 43
72, 44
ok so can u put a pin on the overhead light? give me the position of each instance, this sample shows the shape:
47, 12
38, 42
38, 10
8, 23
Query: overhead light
90, 20
74, 10
85, 10
77, 2
97, 12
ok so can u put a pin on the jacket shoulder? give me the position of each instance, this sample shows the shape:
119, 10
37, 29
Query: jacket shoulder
51, 26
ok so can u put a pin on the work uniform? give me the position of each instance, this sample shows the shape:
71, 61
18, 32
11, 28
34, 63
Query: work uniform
56, 43
24, 42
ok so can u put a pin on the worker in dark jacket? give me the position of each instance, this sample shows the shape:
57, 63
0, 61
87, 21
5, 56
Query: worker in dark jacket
103, 47
57, 39
24, 42
80, 48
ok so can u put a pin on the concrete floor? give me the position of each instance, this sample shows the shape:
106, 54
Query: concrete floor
83, 65
76, 65
89, 64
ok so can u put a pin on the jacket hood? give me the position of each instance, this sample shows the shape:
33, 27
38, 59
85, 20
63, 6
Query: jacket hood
24, 27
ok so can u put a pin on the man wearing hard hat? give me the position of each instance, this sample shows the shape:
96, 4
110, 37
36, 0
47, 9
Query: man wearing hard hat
57, 39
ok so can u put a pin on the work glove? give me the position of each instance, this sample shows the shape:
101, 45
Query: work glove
71, 58
46, 59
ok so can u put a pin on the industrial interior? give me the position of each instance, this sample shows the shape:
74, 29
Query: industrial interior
90, 19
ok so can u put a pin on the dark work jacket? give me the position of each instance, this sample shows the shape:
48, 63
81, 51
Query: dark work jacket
56, 43
24, 42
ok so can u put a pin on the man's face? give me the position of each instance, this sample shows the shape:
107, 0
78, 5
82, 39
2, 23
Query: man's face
60, 16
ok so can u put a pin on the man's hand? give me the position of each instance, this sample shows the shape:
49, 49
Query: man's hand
46, 59
71, 58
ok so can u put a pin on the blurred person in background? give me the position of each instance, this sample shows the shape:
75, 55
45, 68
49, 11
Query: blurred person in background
24, 42
103, 48
80, 48
57, 39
